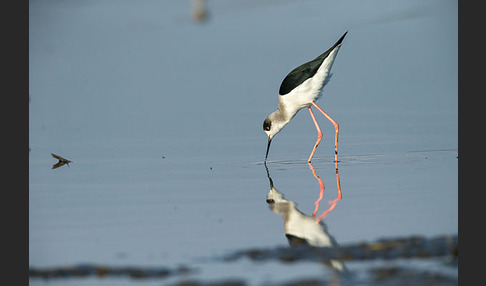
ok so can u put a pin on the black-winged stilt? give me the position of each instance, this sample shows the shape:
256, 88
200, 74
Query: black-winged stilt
301, 88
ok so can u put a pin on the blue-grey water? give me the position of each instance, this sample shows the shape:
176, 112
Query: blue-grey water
161, 116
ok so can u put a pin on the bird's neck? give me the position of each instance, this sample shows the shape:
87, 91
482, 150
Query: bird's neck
281, 116
284, 113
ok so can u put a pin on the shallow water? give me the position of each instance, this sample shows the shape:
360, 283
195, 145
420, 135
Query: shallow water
162, 120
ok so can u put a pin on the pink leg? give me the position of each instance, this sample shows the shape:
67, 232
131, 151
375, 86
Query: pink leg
319, 134
336, 127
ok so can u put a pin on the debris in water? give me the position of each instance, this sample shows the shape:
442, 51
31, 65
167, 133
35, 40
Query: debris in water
61, 162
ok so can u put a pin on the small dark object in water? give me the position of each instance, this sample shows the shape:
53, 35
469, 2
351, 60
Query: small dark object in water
61, 162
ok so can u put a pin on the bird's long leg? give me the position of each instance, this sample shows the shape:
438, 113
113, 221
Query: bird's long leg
336, 127
319, 134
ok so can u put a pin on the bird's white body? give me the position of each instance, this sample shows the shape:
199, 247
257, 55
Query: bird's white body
309, 91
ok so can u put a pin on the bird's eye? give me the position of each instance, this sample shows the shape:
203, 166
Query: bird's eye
267, 125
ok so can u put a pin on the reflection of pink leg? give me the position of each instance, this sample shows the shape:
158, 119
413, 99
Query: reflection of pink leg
319, 134
321, 185
333, 202
336, 127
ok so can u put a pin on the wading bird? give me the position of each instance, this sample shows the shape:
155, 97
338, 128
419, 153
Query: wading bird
302, 88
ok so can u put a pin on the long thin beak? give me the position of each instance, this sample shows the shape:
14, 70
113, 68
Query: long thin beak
268, 148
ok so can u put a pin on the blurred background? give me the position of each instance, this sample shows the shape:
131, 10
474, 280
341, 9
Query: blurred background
160, 104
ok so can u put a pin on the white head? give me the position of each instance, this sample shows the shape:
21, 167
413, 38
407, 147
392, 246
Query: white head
272, 125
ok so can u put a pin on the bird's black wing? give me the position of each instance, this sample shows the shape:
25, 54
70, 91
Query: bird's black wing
305, 71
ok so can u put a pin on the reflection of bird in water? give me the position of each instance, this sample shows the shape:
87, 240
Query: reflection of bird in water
302, 88
299, 228
61, 162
